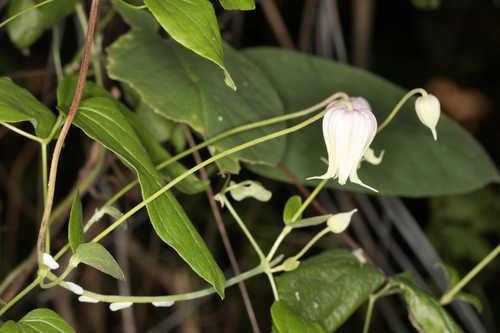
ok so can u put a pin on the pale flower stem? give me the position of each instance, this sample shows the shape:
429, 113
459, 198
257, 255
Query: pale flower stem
244, 228
448, 297
286, 230
311, 243
399, 105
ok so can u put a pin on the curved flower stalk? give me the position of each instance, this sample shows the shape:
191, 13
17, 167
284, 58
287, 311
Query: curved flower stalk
348, 131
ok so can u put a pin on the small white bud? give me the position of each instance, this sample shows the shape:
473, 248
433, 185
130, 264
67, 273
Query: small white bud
428, 111
49, 261
339, 222
163, 304
119, 306
87, 299
75, 288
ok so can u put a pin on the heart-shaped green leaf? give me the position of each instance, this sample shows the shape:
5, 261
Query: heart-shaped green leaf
326, 289
187, 88
75, 226
288, 322
413, 165
18, 104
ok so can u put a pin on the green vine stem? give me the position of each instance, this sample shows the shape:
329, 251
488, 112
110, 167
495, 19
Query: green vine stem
399, 105
20, 295
311, 243
371, 303
179, 297
448, 297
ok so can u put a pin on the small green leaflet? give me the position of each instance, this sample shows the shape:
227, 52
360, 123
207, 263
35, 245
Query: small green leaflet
38, 321
288, 322
95, 255
194, 25
18, 104
75, 227
292, 205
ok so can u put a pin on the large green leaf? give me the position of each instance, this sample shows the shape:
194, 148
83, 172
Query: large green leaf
27, 28
157, 153
288, 322
101, 119
38, 321
194, 25
425, 313
238, 4
96, 255
187, 88
17, 104
413, 165
328, 288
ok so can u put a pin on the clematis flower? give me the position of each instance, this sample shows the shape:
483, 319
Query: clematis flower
428, 111
348, 134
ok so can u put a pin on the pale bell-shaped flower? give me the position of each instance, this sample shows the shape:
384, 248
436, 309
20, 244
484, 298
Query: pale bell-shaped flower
428, 111
163, 304
348, 135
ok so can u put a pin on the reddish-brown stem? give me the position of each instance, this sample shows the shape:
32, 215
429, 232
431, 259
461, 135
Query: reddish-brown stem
64, 131
225, 239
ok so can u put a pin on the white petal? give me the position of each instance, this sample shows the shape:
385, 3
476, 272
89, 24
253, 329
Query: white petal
355, 179
87, 299
371, 158
75, 288
119, 306
49, 261
163, 304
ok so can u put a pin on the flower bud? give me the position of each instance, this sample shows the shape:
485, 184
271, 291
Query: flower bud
348, 134
339, 222
428, 111
49, 261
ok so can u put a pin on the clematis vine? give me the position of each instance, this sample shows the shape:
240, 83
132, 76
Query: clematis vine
348, 130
